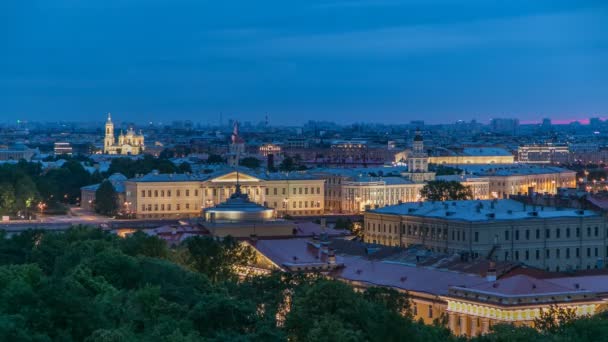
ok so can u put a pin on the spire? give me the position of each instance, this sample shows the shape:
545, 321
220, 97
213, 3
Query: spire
109, 117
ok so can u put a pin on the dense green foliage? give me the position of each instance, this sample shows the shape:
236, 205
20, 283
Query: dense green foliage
90, 285
555, 326
106, 199
443, 170
292, 164
24, 185
130, 167
440, 190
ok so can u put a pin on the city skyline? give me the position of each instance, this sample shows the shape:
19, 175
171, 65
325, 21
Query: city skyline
342, 61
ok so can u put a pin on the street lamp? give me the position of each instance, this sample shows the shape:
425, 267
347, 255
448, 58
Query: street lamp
41, 206
128, 208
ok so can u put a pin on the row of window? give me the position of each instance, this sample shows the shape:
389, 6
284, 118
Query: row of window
294, 191
163, 207
556, 253
415, 310
457, 235
557, 233
167, 193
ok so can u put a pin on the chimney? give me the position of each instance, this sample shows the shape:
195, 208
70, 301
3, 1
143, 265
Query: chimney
491, 273
331, 257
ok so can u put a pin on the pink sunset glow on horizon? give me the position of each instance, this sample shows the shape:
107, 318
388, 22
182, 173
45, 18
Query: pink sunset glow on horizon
559, 121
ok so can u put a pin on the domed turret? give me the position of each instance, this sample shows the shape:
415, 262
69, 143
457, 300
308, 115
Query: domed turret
238, 208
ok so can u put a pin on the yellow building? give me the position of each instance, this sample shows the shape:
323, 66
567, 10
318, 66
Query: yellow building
515, 179
130, 143
352, 191
472, 303
472, 155
185, 195
553, 239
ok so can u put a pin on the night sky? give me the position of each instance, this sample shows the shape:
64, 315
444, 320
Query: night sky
387, 61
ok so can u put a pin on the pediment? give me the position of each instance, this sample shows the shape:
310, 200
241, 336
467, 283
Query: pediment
232, 176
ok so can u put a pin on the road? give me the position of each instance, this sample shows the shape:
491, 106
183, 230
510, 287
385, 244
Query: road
77, 217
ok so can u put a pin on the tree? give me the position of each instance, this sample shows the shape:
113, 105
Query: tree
26, 193
553, 320
7, 199
441, 190
217, 259
442, 170
250, 162
106, 199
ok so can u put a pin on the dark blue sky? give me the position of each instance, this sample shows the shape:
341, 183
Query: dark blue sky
344, 60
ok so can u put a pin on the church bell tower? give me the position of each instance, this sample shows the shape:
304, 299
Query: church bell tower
108, 141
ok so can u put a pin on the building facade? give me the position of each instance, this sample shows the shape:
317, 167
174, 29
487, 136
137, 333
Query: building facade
130, 143
184, 195
516, 179
472, 303
418, 162
352, 191
553, 239
543, 154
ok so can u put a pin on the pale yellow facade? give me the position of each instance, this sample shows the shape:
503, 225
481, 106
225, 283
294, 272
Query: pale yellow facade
552, 244
455, 160
514, 184
347, 196
187, 198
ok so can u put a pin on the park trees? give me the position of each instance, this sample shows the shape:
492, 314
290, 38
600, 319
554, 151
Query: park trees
106, 199
441, 190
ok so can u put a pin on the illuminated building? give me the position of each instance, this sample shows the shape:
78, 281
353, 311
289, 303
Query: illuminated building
549, 238
239, 217
516, 179
62, 148
186, 195
472, 301
548, 153
273, 149
352, 191
130, 143
418, 162
472, 155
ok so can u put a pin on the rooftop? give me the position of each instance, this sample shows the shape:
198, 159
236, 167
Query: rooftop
510, 169
481, 210
485, 151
